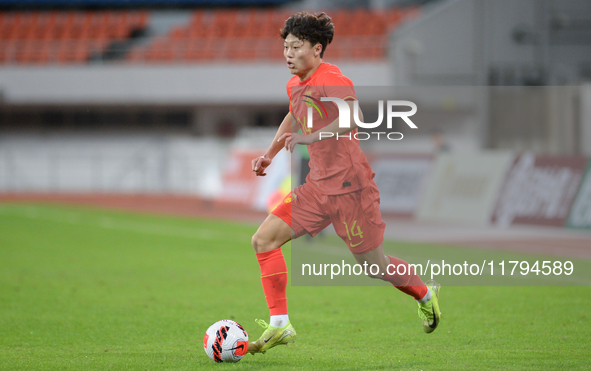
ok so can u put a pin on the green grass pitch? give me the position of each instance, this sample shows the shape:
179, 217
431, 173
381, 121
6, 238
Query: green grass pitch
91, 289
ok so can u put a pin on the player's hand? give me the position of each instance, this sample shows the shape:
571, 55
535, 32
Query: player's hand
259, 165
293, 139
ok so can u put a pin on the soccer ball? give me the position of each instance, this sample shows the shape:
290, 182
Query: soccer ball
225, 341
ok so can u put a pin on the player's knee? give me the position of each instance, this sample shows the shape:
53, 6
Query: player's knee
261, 244
256, 242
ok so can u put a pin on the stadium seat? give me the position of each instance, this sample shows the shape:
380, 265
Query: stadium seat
135, 55
63, 36
229, 34
74, 51
200, 50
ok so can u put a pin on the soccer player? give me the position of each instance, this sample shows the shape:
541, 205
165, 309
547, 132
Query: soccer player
339, 188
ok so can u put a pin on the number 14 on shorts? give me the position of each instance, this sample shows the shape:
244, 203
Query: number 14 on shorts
354, 232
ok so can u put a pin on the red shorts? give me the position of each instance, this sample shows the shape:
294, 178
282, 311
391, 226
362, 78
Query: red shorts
355, 216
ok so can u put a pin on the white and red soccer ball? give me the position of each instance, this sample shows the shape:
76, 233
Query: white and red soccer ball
225, 341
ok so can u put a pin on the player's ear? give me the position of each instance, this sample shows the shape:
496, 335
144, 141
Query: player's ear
317, 49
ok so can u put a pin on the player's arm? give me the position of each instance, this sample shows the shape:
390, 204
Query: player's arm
330, 131
259, 164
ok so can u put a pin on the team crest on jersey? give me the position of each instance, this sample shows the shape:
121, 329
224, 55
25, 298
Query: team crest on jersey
315, 103
288, 199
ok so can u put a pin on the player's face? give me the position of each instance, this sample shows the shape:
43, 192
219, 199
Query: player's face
301, 56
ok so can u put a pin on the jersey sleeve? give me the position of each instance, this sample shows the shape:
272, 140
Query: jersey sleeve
289, 88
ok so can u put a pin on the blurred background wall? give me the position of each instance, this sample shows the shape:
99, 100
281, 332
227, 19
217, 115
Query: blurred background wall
149, 96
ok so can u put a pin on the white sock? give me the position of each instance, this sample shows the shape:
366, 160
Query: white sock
426, 298
279, 320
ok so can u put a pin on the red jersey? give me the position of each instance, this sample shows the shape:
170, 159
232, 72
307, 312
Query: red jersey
336, 166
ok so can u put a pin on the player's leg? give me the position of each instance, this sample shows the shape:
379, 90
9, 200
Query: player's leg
403, 276
300, 212
273, 233
396, 271
362, 228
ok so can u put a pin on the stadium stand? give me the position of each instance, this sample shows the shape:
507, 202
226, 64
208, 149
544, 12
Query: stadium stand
242, 35
76, 37
63, 37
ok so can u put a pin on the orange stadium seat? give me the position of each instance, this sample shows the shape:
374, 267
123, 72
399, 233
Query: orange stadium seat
224, 23
34, 52
242, 49
63, 36
135, 55
210, 35
140, 19
199, 50
8, 48
200, 24
162, 50
340, 21
260, 25
239, 23
73, 51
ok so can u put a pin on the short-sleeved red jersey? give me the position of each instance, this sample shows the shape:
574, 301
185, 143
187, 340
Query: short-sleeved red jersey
336, 166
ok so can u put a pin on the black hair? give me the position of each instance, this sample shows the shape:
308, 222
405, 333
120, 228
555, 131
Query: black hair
315, 28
